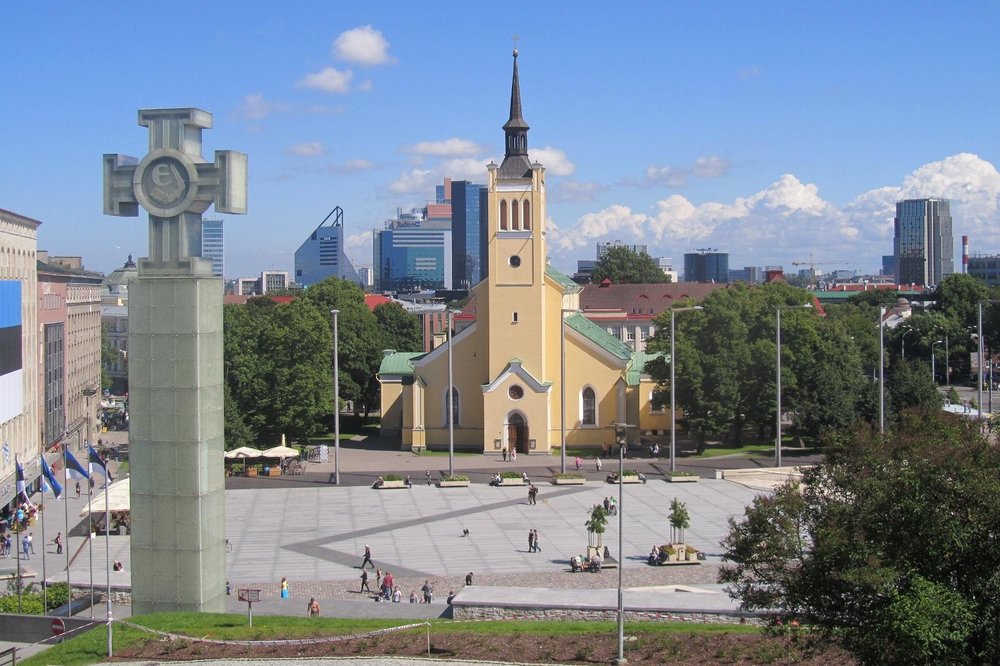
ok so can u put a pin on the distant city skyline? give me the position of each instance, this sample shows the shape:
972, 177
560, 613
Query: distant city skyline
739, 127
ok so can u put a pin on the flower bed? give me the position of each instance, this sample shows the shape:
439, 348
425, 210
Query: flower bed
681, 477
455, 481
568, 479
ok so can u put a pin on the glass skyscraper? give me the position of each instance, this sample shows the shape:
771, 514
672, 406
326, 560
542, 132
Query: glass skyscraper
412, 257
468, 224
923, 244
322, 254
706, 267
212, 245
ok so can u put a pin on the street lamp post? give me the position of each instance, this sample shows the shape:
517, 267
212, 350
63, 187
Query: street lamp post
777, 440
451, 397
881, 370
902, 343
979, 354
673, 391
562, 388
621, 435
933, 370
336, 399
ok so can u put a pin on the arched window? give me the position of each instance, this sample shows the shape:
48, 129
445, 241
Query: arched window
588, 407
456, 411
503, 215
514, 224
527, 216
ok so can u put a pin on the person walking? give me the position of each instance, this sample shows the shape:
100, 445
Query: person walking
78, 490
428, 591
31, 542
579, 463
531, 541
313, 607
368, 558
538, 548
284, 588
513, 454
364, 581
25, 545
597, 462
505, 454
58, 542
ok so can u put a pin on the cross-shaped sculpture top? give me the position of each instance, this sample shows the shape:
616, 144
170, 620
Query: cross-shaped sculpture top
175, 185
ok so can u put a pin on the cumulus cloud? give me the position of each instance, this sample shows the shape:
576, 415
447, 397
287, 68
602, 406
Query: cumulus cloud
356, 243
255, 107
711, 166
306, 149
667, 175
364, 45
553, 159
453, 147
707, 166
413, 181
328, 79
788, 219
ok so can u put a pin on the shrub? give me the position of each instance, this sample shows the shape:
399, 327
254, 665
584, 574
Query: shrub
630, 472
681, 474
567, 475
510, 475
392, 477
455, 477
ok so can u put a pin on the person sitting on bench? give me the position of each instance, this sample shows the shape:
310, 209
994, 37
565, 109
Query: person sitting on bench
379, 482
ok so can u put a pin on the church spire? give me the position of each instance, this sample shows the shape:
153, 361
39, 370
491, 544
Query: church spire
515, 161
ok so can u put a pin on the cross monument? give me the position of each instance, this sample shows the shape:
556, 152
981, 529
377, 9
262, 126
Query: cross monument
175, 363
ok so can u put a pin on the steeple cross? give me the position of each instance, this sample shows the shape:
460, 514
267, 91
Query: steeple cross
175, 185
515, 38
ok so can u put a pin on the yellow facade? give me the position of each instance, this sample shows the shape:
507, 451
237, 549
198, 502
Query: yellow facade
506, 368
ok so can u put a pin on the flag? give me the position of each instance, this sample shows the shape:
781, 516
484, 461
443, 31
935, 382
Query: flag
49, 480
95, 459
22, 491
74, 470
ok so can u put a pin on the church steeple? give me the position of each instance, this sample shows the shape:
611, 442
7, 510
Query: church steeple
515, 161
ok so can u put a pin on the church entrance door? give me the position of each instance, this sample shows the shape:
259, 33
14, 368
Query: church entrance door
517, 433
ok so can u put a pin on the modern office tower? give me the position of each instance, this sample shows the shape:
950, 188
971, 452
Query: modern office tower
923, 245
889, 265
212, 245
411, 254
986, 267
706, 266
365, 275
322, 254
468, 234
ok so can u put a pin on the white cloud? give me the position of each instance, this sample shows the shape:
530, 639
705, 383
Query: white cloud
255, 107
306, 149
355, 243
789, 219
412, 182
711, 166
329, 79
454, 147
553, 159
364, 45
669, 176
575, 190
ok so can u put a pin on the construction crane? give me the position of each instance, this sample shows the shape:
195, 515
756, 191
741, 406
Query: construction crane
812, 263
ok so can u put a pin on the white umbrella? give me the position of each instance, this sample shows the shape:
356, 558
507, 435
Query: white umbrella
118, 498
280, 451
244, 452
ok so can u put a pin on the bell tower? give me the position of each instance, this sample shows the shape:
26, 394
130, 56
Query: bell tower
516, 249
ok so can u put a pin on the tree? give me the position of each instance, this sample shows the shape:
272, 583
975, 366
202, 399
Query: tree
237, 432
958, 296
890, 544
359, 340
680, 520
623, 265
400, 329
596, 525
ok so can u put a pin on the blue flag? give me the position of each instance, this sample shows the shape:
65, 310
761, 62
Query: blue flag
49, 480
22, 491
95, 459
74, 470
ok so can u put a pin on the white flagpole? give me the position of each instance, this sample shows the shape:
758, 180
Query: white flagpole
41, 512
90, 529
107, 548
69, 586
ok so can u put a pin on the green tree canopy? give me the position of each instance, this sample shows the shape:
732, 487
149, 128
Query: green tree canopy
891, 544
400, 329
623, 265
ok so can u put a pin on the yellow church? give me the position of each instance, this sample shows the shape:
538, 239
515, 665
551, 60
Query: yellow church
508, 365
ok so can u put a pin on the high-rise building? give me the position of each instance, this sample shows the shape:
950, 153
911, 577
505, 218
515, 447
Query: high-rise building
212, 245
986, 267
468, 234
923, 244
412, 255
603, 247
706, 266
322, 254
271, 281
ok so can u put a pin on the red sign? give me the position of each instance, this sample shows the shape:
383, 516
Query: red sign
58, 626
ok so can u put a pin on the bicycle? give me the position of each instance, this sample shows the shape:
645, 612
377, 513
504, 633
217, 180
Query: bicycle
229, 546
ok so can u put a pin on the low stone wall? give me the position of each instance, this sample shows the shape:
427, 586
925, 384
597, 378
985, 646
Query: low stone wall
462, 612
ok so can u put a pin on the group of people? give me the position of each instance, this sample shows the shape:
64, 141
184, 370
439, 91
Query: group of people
497, 480
512, 455
22, 517
582, 563
533, 546
657, 556
7, 544
611, 505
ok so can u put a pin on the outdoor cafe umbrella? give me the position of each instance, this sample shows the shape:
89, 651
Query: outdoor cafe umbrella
244, 452
118, 498
280, 451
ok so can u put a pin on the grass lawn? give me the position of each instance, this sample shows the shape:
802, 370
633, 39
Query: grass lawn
91, 647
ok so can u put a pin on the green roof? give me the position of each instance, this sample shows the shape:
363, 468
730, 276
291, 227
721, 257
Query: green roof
398, 363
599, 336
637, 368
564, 280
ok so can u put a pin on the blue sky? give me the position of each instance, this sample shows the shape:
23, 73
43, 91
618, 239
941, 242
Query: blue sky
772, 131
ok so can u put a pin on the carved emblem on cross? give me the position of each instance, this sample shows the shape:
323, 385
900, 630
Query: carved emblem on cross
175, 185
